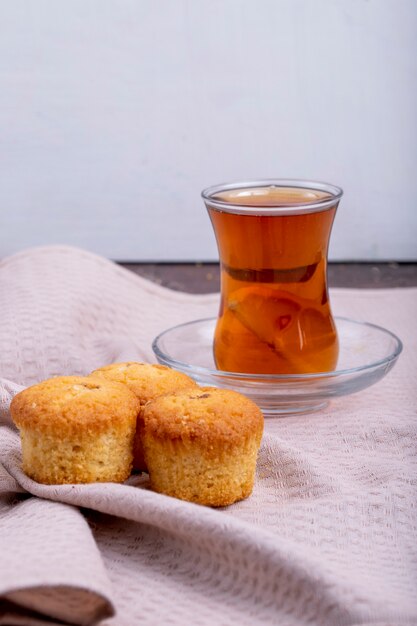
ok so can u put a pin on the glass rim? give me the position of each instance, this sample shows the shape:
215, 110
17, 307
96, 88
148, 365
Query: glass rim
335, 192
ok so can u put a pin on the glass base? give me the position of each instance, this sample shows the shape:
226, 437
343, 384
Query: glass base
294, 408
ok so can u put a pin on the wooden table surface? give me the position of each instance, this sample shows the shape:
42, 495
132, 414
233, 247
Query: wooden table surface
204, 277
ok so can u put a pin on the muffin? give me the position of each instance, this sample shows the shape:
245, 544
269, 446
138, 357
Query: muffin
76, 429
147, 381
201, 444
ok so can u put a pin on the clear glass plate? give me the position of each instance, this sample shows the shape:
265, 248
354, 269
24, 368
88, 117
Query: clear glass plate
367, 353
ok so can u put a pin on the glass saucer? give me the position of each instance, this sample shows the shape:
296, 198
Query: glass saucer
367, 353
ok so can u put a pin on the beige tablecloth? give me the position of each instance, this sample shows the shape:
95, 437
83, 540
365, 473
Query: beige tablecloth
328, 536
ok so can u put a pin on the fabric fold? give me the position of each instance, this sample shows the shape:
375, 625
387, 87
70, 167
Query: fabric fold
50, 565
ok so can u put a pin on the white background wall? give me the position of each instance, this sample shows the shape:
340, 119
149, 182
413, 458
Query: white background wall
114, 114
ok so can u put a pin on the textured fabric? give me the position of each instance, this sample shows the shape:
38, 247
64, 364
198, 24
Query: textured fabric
328, 536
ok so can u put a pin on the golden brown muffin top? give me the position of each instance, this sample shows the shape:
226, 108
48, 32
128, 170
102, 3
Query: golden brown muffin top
69, 403
146, 380
209, 414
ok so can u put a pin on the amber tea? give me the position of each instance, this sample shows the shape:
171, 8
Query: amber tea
275, 315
